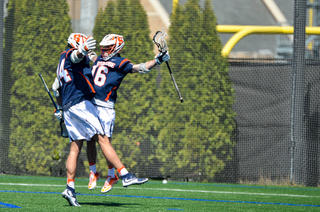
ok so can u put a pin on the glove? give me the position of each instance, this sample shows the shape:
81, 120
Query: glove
55, 87
88, 45
92, 55
162, 57
58, 113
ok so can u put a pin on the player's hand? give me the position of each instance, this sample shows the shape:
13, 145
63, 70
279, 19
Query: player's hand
58, 114
86, 46
92, 55
55, 87
162, 57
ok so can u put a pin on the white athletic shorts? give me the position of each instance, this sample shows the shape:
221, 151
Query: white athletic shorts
107, 118
82, 121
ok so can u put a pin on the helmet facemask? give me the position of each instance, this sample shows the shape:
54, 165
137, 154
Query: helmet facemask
111, 45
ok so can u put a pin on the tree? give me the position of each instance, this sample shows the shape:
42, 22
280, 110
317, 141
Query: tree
6, 86
42, 28
196, 136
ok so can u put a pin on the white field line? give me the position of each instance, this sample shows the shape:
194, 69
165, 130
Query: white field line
177, 190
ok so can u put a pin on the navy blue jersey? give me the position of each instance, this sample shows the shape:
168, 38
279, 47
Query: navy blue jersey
108, 75
74, 83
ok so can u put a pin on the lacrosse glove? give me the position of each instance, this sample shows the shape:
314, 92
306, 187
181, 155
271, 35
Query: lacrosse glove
162, 57
88, 45
92, 55
58, 113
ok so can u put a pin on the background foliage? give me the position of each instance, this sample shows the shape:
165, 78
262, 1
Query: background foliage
195, 136
37, 43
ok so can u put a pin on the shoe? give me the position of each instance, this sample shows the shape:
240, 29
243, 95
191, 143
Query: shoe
109, 184
129, 179
70, 195
93, 180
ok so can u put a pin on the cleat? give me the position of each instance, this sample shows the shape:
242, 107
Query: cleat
129, 179
109, 184
70, 195
93, 180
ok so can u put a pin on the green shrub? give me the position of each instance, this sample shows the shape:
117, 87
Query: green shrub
195, 136
41, 29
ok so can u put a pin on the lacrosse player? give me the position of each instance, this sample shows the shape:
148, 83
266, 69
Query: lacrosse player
73, 42
80, 115
108, 72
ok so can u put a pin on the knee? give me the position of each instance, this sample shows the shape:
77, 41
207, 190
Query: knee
103, 139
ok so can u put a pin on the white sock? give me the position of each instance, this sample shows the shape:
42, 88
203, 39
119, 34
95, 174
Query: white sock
71, 184
123, 171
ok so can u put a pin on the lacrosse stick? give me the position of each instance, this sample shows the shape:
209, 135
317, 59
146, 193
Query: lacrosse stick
159, 40
64, 132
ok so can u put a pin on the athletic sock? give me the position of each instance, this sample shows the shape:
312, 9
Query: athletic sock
70, 183
93, 167
111, 172
122, 171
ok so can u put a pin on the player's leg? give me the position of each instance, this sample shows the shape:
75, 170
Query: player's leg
107, 118
79, 129
111, 155
69, 193
92, 157
112, 178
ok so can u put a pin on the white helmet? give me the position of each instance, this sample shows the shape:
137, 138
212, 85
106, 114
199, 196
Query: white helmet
74, 39
111, 44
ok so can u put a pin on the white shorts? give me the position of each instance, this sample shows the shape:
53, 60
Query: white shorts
82, 121
107, 118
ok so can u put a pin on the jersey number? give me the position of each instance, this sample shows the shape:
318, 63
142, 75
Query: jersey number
63, 73
100, 75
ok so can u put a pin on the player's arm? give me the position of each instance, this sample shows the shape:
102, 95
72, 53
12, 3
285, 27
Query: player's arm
145, 68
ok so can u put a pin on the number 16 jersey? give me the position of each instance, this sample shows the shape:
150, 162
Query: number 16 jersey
107, 77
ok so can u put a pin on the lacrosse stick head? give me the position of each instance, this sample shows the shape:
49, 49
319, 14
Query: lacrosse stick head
159, 40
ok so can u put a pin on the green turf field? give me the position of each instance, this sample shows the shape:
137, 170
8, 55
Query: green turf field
33, 193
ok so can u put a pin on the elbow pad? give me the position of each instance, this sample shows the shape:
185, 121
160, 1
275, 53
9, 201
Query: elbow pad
143, 68
74, 58
55, 87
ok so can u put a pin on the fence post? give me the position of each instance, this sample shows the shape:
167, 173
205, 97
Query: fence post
297, 103
3, 150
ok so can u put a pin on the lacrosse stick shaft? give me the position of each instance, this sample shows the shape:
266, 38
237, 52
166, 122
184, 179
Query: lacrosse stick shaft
45, 85
64, 132
174, 82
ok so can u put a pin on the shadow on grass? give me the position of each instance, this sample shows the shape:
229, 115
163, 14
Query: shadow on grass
112, 204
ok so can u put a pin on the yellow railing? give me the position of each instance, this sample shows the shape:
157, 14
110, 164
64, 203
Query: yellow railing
244, 30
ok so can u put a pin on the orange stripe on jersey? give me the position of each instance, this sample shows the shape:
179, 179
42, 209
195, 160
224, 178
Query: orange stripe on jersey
68, 52
107, 98
123, 61
88, 83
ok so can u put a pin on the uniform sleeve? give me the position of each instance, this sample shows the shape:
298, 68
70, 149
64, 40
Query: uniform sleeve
125, 66
68, 53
